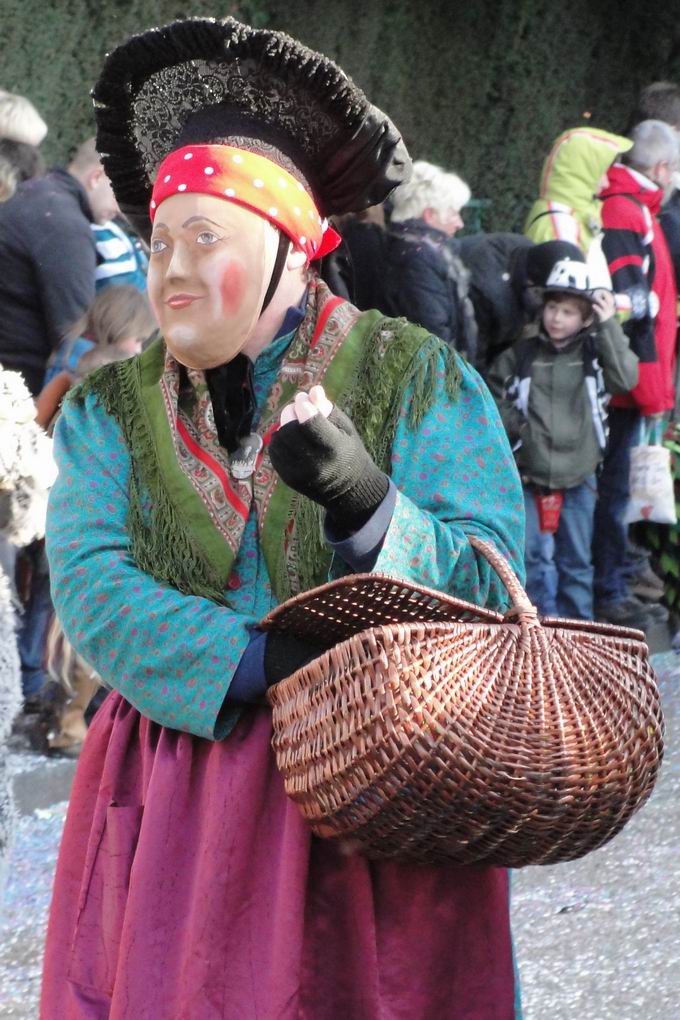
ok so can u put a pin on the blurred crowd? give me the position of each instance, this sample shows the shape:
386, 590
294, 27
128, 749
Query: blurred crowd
571, 323
573, 326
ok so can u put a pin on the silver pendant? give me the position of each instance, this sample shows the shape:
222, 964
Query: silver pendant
242, 462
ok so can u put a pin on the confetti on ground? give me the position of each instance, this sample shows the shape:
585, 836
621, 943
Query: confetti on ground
24, 910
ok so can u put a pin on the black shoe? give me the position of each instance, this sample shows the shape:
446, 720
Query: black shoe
646, 585
29, 732
631, 612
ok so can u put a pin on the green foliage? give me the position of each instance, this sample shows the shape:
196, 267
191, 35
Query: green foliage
53, 53
484, 86
480, 86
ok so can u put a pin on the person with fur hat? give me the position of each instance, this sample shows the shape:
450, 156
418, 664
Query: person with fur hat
272, 437
552, 390
26, 473
22, 129
48, 263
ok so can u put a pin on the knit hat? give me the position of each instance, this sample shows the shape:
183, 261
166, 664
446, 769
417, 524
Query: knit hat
206, 82
19, 120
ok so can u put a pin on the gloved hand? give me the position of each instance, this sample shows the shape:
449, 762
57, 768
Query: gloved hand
325, 459
284, 654
604, 304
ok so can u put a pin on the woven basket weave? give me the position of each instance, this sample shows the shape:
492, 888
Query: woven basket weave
435, 731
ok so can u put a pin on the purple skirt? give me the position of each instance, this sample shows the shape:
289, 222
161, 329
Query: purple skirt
190, 888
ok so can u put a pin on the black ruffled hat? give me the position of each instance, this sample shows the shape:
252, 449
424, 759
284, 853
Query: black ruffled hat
206, 81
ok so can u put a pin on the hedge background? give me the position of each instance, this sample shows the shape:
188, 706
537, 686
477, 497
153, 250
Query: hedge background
480, 86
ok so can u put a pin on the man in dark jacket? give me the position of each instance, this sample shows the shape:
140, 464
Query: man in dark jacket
48, 260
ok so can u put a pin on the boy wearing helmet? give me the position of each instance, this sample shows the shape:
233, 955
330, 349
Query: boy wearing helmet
552, 388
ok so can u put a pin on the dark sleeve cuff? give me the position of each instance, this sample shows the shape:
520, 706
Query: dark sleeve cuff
248, 683
360, 550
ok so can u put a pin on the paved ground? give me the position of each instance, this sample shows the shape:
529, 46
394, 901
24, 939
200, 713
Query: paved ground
41, 786
597, 939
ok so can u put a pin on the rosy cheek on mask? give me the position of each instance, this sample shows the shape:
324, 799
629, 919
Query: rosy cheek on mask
232, 287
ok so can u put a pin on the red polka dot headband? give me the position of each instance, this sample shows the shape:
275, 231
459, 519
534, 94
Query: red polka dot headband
249, 180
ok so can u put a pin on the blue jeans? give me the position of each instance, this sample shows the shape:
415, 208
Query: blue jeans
610, 539
34, 623
567, 554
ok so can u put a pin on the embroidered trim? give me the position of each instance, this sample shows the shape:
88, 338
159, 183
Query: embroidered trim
367, 364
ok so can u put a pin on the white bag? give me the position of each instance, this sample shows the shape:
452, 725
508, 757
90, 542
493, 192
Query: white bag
652, 495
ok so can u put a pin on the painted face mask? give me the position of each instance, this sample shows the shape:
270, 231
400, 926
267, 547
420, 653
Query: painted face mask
209, 269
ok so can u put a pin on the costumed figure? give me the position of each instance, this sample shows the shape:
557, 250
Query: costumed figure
275, 436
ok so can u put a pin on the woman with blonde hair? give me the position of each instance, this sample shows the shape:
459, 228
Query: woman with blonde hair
425, 279
22, 129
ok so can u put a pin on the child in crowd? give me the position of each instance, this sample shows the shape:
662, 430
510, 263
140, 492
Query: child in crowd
121, 259
115, 327
552, 389
117, 324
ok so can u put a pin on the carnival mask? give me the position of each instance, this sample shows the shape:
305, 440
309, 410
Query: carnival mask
210, 265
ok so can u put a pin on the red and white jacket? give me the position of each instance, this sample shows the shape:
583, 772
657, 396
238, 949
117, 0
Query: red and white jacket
644, 283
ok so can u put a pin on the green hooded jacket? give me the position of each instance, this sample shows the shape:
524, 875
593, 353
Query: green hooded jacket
555, 443
567, 208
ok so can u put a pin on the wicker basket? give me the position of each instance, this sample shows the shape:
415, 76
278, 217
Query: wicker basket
439, 732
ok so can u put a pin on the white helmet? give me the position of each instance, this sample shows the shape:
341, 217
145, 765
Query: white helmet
569, 277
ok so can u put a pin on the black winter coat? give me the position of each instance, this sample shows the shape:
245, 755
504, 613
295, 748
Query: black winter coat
496, 263
427, 283
47, 270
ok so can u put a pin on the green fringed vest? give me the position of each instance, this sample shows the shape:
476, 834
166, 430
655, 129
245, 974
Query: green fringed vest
171, 534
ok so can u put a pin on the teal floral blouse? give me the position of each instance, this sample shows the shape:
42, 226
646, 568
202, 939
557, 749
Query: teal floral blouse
172, 656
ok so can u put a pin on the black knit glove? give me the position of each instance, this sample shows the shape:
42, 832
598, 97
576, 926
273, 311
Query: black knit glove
325, 459
283, 654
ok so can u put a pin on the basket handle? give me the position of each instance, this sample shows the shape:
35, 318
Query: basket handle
522, 607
